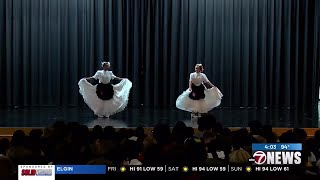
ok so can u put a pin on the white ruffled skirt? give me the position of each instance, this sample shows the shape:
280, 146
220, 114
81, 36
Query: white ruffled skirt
105, 108
212, 99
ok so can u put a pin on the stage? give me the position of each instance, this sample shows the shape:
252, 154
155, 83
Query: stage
258, 53
42, 117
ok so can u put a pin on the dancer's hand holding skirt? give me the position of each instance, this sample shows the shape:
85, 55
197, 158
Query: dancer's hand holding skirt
212, 99
106, 108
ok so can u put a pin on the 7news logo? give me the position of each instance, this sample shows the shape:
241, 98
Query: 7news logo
276, 157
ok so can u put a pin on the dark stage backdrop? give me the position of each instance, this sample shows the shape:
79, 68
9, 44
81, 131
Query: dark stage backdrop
260, 53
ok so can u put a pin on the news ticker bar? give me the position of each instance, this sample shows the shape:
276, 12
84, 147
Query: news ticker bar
102, 169
276, 147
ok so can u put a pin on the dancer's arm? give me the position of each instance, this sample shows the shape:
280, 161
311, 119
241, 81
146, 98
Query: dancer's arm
115, 77
190, 82
210, 83
88, 78
206, 80
95, 76
118, 78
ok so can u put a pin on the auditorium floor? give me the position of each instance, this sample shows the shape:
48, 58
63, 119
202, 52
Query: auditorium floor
46, 116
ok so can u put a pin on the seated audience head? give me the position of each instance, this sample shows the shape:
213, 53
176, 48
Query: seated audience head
300, 135
255, 127
18, 138
287, 137
317, 136
161, 133
109, 132
179, 132
140, 132
7, 168
240, 157
206, 122
4, 145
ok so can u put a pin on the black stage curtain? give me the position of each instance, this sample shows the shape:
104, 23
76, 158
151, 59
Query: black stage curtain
260, 53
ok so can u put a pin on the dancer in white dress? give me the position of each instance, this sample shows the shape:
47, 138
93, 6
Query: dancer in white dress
198, 98
104, 98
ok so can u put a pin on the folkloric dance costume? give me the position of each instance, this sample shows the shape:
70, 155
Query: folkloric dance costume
104, 98
200, 99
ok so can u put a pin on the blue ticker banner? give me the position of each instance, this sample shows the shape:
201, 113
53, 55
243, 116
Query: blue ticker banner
80, 169
276, 146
